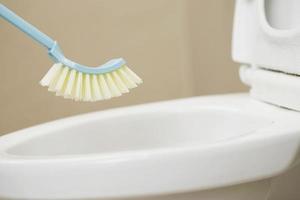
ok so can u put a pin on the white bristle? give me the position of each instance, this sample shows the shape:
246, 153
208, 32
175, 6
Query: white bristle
126, 79
51, 74
122, 87
61, 80
112, 86
87, 88
96, 89
54, 79
133, 75
104, 87
70, 84
76, 85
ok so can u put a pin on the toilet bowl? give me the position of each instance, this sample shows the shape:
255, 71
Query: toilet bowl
222, 147
213, 147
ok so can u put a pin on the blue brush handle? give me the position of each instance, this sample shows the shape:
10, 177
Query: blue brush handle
53, 49
26, 27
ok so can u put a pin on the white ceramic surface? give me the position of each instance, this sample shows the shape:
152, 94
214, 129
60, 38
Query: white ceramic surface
266, 38
153, 149
266, 33
277, 88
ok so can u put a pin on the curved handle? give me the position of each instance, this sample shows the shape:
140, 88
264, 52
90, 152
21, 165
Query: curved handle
26, 27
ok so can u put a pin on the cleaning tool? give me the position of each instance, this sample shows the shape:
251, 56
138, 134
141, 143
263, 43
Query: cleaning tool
72, 80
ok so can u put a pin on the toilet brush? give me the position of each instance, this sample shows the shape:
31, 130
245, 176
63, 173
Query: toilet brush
72, 80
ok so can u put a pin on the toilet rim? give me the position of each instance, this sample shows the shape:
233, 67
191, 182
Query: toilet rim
8, 141
266, 153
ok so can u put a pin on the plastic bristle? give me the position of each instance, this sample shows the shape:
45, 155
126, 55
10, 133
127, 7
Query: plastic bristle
120, 84
87, 88
132, 75
51, 74
54, 79
76, 85
104, 87
112, 86
60, 92
126, 79
61, 80
96, 89
70, 84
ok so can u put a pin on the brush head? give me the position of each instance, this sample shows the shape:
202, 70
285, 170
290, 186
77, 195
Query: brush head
74, 84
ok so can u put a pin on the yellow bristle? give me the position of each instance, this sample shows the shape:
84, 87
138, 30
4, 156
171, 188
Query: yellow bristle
96, 93
63, 88
78, 87
126, 79
51, 74
104, 87
59, 87
54, 79
87, 96
122, 87
132, 75
112, 86
70, 84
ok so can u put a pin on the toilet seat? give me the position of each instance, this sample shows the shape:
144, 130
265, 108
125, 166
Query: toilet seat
166, 150
269, 54
256, 42
274, 87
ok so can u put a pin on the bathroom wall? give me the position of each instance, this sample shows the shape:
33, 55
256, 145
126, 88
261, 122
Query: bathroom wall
180, 48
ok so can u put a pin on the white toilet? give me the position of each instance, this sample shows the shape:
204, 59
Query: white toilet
222, 147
